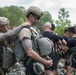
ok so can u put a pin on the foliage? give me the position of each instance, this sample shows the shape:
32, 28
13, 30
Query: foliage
62, 22
15, 14
46, 17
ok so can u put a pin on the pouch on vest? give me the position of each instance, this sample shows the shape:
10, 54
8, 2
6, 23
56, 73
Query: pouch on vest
44, 45
18, 51
8, 59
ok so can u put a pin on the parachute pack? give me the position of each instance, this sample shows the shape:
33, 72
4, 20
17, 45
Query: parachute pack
42, 46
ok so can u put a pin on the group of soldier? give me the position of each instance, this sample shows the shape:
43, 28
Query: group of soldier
20, 42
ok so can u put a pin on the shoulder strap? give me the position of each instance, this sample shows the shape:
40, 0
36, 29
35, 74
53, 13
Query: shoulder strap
33, 38
34, 42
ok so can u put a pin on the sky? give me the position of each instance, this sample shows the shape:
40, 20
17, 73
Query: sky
53, 6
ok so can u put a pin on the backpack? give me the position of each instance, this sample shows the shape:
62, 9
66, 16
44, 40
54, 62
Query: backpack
8, 59
44, 46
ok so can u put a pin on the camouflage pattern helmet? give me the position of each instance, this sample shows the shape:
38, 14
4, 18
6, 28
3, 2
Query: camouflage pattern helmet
4, 21
34, 10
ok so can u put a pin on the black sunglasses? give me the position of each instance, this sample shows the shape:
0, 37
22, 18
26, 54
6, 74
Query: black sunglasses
37, 17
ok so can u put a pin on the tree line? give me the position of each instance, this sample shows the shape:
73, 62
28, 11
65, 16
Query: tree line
16, 15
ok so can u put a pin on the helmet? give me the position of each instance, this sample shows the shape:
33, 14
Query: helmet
4, 21
34, 10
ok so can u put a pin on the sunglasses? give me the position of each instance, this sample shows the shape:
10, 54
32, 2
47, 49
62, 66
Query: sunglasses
37, 17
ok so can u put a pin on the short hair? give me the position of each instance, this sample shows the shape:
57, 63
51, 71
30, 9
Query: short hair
47, 24
71, 29
65, 30
53, 27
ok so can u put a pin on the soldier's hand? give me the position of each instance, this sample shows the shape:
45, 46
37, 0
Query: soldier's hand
9, 33
65, 49
49, 63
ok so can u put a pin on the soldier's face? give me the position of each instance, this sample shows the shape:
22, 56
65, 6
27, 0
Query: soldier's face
4, 28
35, 19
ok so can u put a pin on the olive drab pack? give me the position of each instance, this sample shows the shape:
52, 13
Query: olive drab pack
18, 51
19, 57
8, 59
42, 45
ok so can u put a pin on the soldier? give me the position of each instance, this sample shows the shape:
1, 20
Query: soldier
71, 48
4, 32
4, 35
33, 15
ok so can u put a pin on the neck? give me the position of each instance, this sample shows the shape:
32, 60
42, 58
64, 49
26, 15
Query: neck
46, 29
29, 22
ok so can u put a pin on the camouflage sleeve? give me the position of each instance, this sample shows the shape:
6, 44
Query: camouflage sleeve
10, 33
16, 30
3, 36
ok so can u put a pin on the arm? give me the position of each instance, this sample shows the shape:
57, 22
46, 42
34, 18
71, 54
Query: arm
13, 32
65, 48
18, 29
27, 44
3, 36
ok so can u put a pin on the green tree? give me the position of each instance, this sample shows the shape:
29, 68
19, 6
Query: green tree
14, 14
46, 17
4, 12
20, 21
62, 22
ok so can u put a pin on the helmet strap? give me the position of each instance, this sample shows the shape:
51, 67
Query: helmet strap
32, 22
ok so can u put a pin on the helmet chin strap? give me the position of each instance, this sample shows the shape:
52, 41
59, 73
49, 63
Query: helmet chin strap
33, 22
